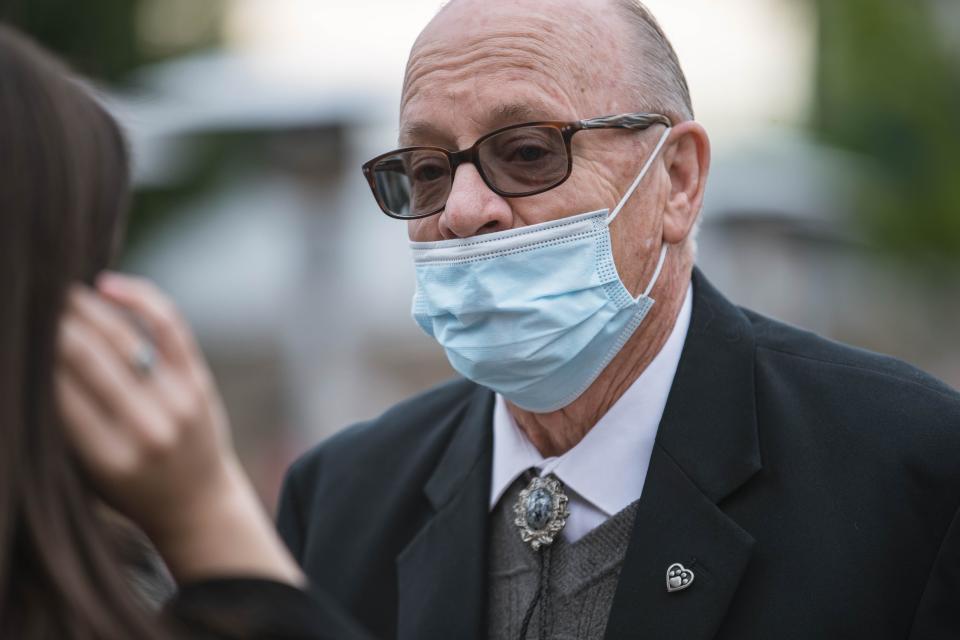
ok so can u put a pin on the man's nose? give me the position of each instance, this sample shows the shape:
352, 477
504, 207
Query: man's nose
472, 208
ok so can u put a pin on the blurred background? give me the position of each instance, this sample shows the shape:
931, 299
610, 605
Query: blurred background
834, 202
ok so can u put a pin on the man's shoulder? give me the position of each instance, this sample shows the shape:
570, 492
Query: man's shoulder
409, 432
877, 407
835, 361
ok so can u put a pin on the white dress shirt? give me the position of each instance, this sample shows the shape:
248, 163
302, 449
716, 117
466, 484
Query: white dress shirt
604, 473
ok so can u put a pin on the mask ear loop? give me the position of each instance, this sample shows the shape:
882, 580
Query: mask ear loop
656, 273
640, 177
626, 196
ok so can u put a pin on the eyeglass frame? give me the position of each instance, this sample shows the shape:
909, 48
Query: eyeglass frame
470, 155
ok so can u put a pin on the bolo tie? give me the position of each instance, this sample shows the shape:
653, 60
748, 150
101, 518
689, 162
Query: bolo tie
540, 514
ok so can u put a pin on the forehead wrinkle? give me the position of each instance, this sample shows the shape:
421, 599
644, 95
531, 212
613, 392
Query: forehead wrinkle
489, 57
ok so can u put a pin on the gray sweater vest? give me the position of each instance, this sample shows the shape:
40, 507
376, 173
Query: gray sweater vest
583, 577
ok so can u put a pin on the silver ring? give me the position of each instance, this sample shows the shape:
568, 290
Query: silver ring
144, 359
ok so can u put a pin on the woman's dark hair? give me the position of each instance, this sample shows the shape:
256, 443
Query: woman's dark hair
63, 201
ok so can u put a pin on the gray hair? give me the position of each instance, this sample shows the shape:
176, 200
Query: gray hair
658, 78
658, 81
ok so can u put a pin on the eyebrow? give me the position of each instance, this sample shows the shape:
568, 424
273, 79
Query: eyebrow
419, 131
514, 113
502, 115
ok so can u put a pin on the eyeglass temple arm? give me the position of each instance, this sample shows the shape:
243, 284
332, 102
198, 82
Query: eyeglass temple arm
626, 121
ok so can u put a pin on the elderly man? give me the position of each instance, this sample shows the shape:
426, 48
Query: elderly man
611, 467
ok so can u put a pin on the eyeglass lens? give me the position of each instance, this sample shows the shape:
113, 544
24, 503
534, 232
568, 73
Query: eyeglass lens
515, 162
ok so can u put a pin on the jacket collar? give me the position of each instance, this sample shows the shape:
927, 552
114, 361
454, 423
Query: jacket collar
709, 426
441, 574
471, 444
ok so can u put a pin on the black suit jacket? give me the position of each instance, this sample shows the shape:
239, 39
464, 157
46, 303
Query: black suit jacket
813, 488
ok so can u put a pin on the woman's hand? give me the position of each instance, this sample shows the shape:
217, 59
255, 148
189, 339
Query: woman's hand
144, 415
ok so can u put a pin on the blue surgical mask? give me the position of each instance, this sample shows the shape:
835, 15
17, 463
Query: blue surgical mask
534, 313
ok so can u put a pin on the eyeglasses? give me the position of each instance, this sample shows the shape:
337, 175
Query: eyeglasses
516, 161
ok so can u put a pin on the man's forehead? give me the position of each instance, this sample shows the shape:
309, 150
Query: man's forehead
569, 34
507, 62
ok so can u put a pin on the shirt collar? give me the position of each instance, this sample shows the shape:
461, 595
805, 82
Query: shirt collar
608, 467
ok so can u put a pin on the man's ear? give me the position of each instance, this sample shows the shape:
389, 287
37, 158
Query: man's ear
687, 159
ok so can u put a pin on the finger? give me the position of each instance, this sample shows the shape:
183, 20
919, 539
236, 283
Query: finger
176, 393
107, 321
181, 400
88, 429
103, 374
148, 302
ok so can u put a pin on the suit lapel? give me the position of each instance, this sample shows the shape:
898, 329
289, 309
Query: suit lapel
706, 449
677, 523
442, 572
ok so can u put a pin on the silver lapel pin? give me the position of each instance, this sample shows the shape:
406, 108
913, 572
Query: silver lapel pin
678, 577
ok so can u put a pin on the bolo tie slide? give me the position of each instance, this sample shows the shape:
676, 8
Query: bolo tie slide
540, 514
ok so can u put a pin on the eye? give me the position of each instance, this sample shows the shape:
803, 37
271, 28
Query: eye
529, 153
429, 172
524, 148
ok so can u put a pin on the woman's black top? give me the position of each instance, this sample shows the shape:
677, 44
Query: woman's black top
255, 609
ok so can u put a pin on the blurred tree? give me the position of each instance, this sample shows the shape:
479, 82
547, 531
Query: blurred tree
107, 39
888, 81
98, 37
111, 39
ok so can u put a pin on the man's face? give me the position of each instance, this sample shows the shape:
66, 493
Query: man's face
484, 64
